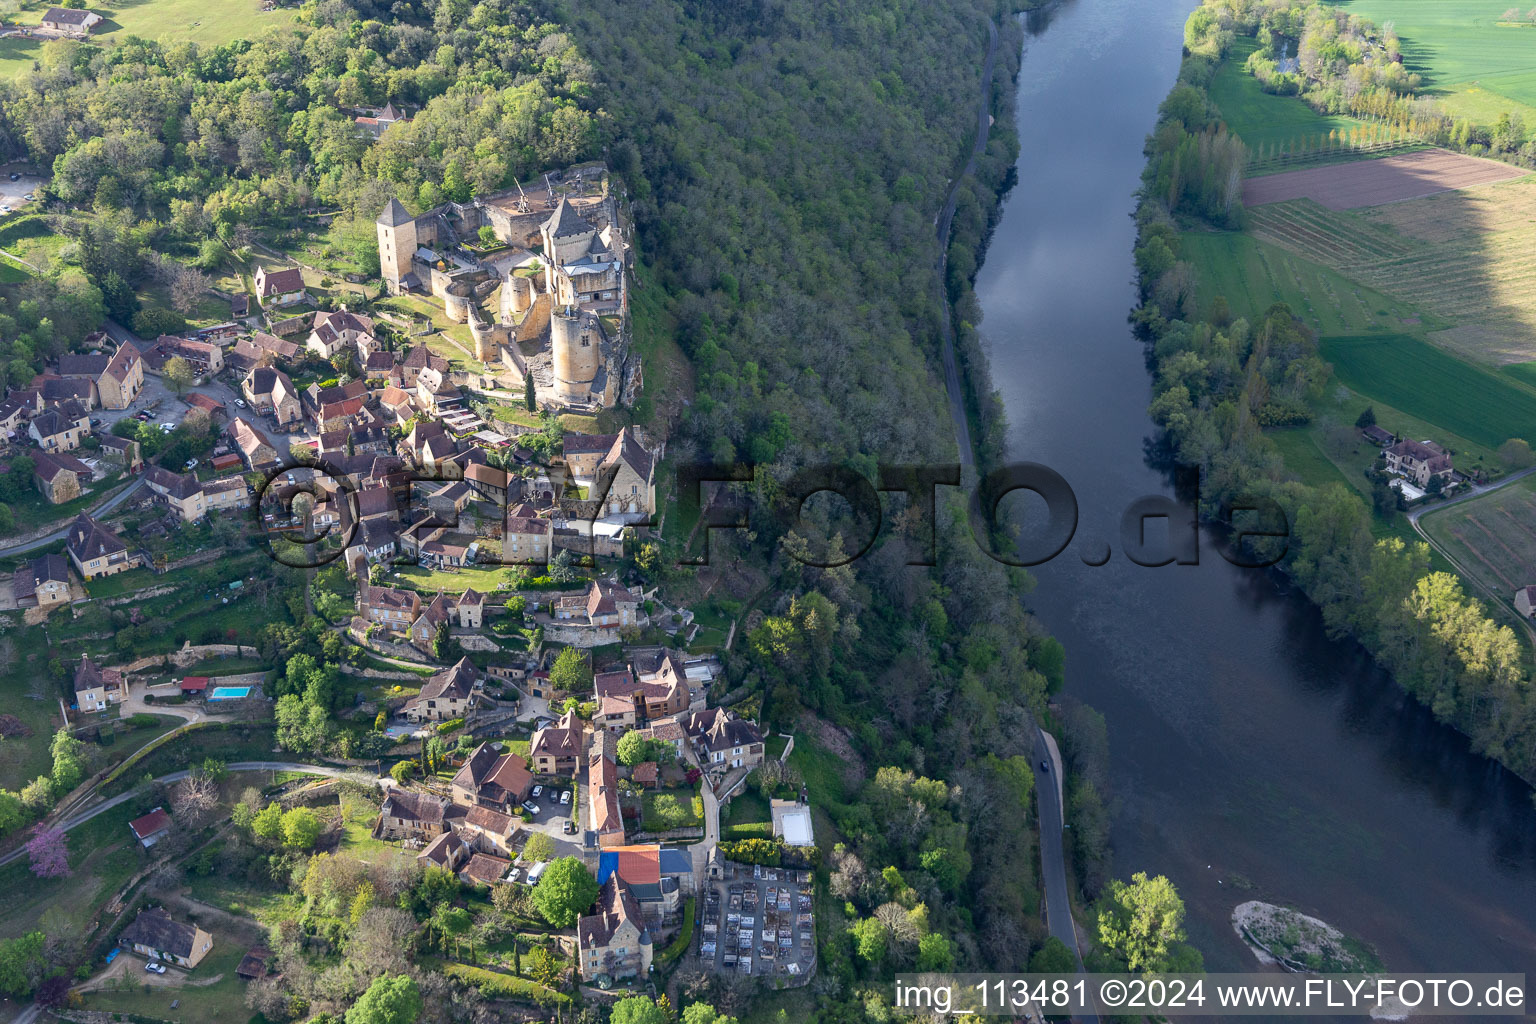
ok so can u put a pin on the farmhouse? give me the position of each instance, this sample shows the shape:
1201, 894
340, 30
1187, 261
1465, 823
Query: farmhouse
68, 22
408, 814
180, 491
97, 688
489, 779
155, 935
1419, 461
59, 476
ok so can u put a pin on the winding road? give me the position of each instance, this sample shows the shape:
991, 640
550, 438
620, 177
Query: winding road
57, 535
75, 821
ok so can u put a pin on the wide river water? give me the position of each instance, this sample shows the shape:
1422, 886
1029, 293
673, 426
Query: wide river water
1251, 756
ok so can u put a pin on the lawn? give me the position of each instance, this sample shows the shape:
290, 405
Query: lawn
1298, 446
1264, 120
34, 511
664, 809
483, 579
201, 998
102, 856
27, 692
748, 817
825, 774
1480, 405
357, 817
1252, 275
206, 22
1456, 43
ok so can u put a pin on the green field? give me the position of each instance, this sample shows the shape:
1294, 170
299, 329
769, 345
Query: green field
1252, 275
1493, 537
205, 22
1263, 119
1407, 373
1525, 373
1455, 44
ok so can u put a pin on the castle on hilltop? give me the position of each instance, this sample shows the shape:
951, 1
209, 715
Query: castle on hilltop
557, 265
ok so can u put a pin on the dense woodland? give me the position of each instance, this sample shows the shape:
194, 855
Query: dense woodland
1220, 381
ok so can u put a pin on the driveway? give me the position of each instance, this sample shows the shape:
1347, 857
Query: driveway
551, 820
13, 193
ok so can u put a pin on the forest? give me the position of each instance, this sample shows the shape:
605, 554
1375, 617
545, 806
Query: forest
1220, 381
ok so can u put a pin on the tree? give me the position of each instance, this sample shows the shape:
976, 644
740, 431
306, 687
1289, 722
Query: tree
1053, 958
404, 771
566, 889
155, 321
571, 672
869, 939
68, 761
934, 953
48, 852
530, 397
1367, 418
1516, 454
703, 1013
179, 372
301, 828
539, 847
1139, 923
633, 748
194, 800
268, 822
637, 1010
389, 1000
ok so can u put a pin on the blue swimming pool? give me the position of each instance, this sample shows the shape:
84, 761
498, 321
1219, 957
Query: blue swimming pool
229, 693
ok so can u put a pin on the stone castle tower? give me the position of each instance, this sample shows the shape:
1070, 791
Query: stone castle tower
574, 354
397, 245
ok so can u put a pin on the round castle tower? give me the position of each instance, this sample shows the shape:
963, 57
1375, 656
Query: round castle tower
573, 350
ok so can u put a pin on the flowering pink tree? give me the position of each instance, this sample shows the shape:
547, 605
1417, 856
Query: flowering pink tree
48, 852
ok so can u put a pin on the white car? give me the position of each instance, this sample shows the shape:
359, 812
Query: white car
167, 427
538, 791
5, 209
191, 464
240, 402
531, 807
565, 796
154, 968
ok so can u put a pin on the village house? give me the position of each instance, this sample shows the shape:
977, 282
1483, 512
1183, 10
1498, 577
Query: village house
655, 877
97, 688
96, 550
375, 124
721, 740
378, 367
1419, 461
58, 390
59, 477
19, 407
180, 491
605, 605
121, 451
447, 851
226, 494
394, 609
1525, 601
489, 779
115, 380
524, 538
70, 22
41, 583
283, 287
447, 694
255, 448
203, 357
60, 429
418, 359
484, 869
557, 749
489, 830
437, 613
488, 482
381, 543
604, 818
396, 405
155, 935
471, 609
624, 703
407, 814
337, 331
271, 392
614, 941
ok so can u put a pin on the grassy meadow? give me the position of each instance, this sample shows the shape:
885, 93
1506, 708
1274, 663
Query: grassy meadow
1493, 537
1475, 65
1263, 119
1407, 373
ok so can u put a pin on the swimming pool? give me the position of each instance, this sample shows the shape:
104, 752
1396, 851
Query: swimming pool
229, 693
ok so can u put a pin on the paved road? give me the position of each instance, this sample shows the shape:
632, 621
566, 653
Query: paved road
946, 217
238, 766
1053, 865
57, 535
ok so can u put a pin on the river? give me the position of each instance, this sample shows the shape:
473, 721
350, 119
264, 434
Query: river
1251, 756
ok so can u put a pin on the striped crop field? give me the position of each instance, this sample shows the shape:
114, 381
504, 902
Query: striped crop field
1493, 537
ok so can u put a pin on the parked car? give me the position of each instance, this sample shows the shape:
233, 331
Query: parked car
240, 402
538, 791
30, 196
154, 968
565, 797
5, 209
15, 176
531, 807
569, 828
191, 464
